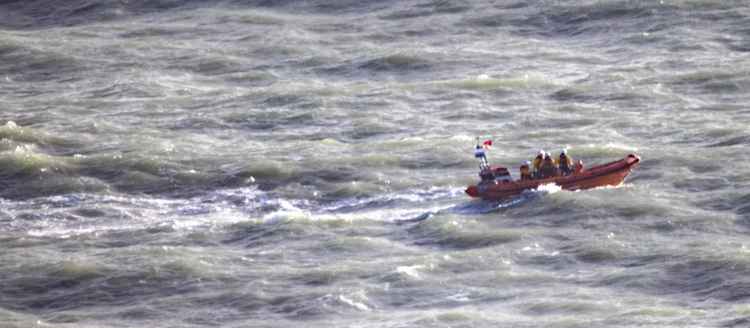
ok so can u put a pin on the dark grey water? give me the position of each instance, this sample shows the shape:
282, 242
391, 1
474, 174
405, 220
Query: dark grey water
302, 163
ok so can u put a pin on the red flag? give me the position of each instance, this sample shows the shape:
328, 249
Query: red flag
487, 143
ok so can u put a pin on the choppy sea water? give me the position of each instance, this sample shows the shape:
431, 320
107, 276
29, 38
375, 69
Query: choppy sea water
180, 163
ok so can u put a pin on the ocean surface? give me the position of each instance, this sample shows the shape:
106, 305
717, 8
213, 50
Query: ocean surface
259, 163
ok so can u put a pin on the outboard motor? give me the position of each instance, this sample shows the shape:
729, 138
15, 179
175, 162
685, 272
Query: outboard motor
501, 174
495, 174
487, 175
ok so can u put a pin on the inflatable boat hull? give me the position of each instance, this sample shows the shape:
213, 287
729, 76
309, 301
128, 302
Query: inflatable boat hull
610, 174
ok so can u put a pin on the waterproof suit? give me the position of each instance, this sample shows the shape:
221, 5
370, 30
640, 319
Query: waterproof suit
537, 164
548, 168
565, 163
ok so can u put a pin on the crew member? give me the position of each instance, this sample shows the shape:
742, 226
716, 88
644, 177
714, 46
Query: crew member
525, 173
565, 163
538, 163
548, 168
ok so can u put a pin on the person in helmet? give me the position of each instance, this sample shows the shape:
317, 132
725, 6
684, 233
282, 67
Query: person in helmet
537, 164
565, 163
548, 168
525, 171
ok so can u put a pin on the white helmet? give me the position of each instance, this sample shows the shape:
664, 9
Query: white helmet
564, 151
541, 152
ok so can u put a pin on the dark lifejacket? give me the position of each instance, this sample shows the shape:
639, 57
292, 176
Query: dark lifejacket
548, 168
566, 163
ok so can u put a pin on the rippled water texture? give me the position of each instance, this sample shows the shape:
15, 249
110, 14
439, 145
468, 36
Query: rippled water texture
178, 163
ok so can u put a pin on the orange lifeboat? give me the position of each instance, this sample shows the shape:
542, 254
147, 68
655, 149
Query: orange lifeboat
610, 174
